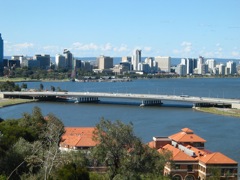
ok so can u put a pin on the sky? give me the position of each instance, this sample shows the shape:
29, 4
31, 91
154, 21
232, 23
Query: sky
89, 28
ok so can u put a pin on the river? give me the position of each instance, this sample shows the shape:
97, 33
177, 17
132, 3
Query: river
221, 132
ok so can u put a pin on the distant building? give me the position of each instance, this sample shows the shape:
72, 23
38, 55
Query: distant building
77, 64
60, 61
190, 159
30, 63
164, 63
136, 59
221, 69
232, 67
11, 63
44, 60
181, 70
1, 54
211, 65
105, 62
126, 59
68, 58
190, 63
87, 66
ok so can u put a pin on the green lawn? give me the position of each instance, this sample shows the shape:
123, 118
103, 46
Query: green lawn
9, 102
221, 111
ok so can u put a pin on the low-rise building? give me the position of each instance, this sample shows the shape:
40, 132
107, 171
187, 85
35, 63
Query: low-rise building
77, 138
191, 161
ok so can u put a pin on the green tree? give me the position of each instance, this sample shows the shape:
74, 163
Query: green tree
72, 172
123, 153
24, 86
52, 88
41, 87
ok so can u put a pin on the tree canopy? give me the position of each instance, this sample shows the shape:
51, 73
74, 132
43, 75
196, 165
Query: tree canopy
124, 153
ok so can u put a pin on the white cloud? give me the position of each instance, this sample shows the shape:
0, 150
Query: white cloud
187, 47
185, 50
107, 47
235, 54
23, 45
122, 48
84, 47
147, 49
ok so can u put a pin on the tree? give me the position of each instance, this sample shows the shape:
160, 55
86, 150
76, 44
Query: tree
52, 88
24, 86
123, 153
41, 87
72, 172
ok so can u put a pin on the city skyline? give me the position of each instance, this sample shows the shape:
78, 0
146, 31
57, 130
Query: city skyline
93, 28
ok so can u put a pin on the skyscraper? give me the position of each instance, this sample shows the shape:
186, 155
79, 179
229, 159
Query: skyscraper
136, 59
1, 54
164, 63
69, 58
105, 62
60, 61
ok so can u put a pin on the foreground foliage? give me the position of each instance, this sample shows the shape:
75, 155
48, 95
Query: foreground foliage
124, 153
29, 149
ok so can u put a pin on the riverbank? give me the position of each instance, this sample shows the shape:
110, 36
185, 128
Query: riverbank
220, 111
10, 102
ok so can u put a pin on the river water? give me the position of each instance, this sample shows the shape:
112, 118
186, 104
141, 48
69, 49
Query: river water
221, 132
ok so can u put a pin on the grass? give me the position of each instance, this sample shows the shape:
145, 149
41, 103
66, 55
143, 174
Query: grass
221, 111
10, 102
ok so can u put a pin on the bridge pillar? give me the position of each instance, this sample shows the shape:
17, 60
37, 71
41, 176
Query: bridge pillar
151, 102
86, 99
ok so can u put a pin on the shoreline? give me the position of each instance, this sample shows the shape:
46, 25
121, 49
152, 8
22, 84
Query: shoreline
11, 102
220, 111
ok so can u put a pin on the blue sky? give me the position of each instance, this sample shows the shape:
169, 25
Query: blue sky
89, 28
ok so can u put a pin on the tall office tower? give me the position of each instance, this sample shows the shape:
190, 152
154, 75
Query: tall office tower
126, 59
232, 67
221, 69
1, 54
211, 64
181, 69
105, 62
44, 60
164, 63
200, 61
136, 59
60, 61
69, 59
190, 66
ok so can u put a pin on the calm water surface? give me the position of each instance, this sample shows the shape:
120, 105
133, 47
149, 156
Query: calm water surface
221, 132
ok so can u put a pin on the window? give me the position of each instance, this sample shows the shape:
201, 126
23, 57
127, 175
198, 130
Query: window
190, 168
177, 166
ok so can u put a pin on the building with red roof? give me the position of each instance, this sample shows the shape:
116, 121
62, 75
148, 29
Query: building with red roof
76, 138
191, 161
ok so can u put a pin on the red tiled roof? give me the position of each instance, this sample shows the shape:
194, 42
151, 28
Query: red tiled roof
78, 137
177, 154
151, 144
216, 158
186, 135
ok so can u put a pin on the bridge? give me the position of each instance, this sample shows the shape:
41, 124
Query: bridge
146, 99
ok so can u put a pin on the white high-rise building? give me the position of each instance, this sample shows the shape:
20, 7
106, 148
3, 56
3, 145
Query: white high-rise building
136, 59
211, 63
232, 67
60, 61
164, 63
181, 69
221, 69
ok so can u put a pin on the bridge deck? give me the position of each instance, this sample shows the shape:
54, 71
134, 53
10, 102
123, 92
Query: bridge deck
182, 98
